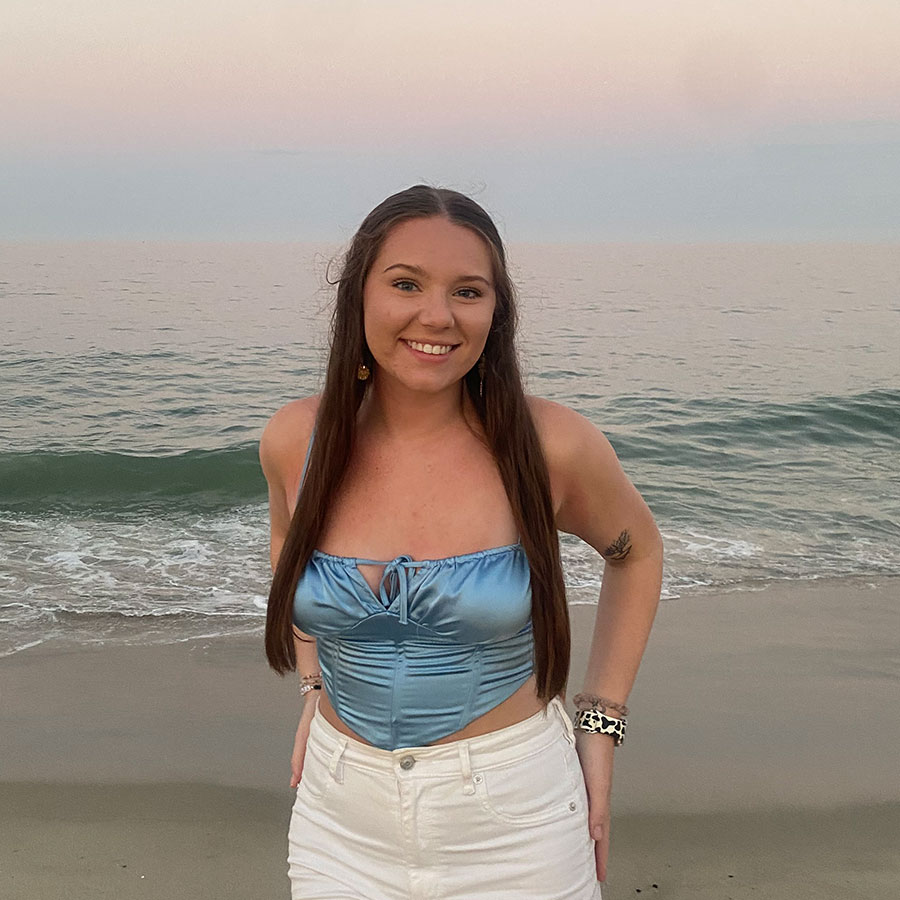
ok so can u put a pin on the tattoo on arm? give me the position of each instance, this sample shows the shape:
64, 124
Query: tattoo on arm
619, 548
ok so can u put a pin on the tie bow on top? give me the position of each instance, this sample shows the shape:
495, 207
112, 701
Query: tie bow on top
394, 581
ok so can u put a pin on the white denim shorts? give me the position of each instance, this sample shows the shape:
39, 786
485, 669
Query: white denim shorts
501, 816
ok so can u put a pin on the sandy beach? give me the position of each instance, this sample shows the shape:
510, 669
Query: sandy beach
760, 761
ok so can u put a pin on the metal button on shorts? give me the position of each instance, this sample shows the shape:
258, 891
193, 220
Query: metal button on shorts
407, 762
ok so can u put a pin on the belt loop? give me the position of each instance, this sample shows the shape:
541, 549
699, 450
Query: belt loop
465, 764
569, 725
336, 759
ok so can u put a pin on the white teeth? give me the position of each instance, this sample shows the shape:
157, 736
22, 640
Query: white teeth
436, 349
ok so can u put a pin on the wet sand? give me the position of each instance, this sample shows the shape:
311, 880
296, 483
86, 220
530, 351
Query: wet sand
760, 761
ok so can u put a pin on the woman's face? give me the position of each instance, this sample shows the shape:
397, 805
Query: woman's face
428, 303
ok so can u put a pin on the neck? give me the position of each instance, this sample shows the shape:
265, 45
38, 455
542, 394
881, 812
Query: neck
398, 413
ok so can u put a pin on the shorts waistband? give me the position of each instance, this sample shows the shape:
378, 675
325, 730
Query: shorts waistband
495, 748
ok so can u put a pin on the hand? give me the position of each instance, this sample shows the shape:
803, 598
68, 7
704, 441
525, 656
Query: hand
595, 753
300, 739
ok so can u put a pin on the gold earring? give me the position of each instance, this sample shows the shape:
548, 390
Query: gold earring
481, 367
362, 372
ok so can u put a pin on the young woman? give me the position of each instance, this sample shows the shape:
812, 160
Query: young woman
418, 590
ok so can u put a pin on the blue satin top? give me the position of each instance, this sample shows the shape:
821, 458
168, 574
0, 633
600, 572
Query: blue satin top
441, 643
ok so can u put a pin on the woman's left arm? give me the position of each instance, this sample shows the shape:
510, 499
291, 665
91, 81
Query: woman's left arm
596, 501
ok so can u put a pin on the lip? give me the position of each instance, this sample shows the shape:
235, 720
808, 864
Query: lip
431, 357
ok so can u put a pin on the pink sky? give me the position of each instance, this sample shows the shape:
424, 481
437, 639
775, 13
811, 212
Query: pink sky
105, 76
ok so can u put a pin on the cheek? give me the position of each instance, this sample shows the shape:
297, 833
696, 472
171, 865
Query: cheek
373, 315
381, 323
479, 323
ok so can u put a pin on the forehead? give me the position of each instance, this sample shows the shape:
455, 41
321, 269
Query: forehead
436, 245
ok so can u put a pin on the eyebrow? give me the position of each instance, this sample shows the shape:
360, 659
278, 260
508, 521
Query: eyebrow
420, 271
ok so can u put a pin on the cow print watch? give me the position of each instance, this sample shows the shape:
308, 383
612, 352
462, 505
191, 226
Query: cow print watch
592, 721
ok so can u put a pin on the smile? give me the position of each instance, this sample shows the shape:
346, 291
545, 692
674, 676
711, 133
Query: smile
434, 349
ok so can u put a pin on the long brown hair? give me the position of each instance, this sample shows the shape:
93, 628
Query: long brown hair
503, 411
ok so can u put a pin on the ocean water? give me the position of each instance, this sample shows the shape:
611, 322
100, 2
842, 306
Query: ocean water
752, 393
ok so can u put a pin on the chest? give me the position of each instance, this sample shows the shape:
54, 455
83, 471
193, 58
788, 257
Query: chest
428, 502
467, 600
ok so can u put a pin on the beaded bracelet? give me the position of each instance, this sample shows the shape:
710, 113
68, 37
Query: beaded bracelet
310, 683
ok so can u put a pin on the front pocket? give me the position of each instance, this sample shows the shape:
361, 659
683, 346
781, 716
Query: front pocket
316, 779
536, 790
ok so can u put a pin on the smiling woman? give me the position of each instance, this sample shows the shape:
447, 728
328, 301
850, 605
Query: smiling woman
418, 587
425, 332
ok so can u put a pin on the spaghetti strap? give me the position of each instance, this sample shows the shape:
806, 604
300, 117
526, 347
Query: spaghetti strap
312, 437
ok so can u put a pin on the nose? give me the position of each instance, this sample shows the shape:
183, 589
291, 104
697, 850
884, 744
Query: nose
436, 310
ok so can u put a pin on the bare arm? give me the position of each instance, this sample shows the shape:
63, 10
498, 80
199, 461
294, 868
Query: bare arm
595, 500
281, 449
599, 504
287, 431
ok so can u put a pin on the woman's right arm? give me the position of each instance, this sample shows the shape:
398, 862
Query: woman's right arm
307, 663
287, 430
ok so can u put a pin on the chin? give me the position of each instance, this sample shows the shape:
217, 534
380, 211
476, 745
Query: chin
431, 386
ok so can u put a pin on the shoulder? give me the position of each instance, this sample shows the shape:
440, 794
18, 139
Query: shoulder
283, 442
593, 497
564, 433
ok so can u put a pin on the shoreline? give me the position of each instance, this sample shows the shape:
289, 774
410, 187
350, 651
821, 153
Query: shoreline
109, 629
